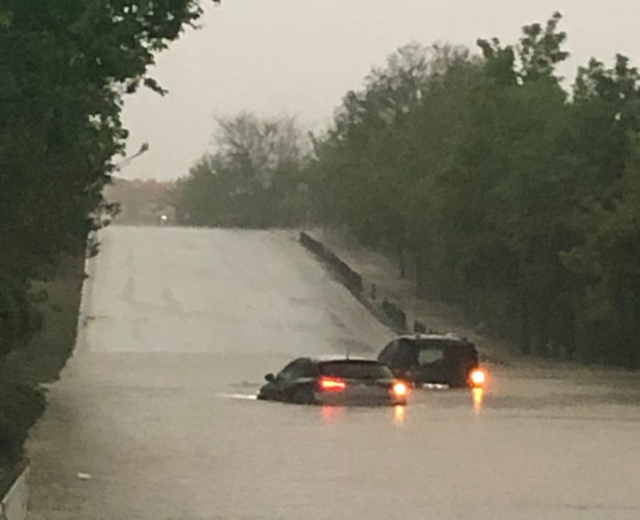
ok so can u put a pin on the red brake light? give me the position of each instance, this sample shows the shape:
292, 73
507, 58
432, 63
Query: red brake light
332, 384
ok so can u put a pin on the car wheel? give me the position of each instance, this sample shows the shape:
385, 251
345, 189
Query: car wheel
303, 396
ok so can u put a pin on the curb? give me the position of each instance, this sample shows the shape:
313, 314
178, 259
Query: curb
14, 504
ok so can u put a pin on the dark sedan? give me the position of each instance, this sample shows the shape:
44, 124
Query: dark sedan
335, 381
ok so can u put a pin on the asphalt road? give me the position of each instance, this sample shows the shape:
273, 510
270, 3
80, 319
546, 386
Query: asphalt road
157, 406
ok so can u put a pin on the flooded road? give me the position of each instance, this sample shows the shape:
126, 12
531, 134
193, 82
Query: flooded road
157, 406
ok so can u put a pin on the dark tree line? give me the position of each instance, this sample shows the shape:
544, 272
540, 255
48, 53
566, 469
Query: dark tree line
65, 69
518, 199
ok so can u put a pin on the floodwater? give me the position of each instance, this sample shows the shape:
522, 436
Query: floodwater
157, 406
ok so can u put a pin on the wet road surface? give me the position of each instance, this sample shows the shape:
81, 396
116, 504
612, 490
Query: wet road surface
157, 406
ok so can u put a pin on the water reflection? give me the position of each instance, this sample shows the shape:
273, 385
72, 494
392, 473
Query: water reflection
249, 397
477, 395
332, 414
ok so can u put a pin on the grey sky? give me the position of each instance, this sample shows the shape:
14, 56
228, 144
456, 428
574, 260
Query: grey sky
301, 56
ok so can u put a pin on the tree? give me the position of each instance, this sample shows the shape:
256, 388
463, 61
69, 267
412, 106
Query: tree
516, 199
365, 162
514, 160
254, 178
605, 211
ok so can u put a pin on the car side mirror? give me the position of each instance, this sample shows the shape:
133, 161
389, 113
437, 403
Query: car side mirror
270, 378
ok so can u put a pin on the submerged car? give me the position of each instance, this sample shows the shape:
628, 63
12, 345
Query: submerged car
434, 359
335, 381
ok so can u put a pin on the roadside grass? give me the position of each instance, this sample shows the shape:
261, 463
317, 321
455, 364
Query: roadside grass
24, 371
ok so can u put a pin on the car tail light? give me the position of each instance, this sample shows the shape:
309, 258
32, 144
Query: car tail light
400, 389
332, 384
477, 377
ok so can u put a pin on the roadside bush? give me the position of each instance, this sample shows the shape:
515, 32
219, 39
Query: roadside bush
16, 317
21, 405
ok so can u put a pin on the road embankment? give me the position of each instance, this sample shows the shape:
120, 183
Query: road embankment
388, 312
25, 372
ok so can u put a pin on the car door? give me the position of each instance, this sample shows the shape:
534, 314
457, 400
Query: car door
401, 358
388, 356
279, 387
297, 373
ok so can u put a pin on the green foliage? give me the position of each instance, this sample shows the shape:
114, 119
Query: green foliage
255, 178
516, 200
18, 320
20, 407
606, 215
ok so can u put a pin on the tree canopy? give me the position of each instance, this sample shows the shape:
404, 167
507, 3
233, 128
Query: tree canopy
255, 177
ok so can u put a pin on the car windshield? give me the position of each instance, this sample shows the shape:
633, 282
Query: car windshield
356, 370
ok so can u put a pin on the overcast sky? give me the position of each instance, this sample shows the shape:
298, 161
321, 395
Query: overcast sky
301, 56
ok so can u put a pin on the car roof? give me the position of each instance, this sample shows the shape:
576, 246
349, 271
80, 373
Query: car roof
450, 337
332, 358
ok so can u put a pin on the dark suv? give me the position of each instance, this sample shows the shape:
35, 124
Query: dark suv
433, 358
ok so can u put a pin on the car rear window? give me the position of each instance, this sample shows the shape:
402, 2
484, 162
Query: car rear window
430, 355
356, 370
